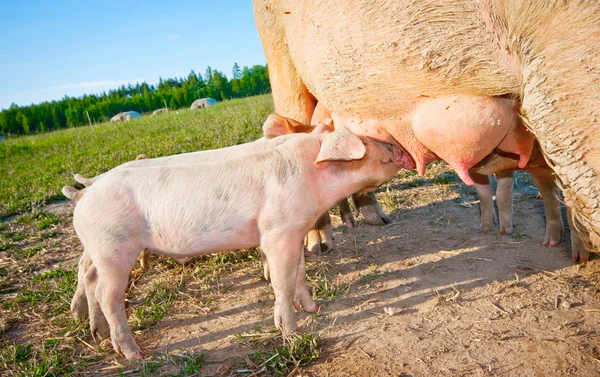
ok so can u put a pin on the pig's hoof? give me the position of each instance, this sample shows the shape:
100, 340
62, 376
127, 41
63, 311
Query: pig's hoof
486, 226
580, 255
129, 349
505, 226
317, 242
348, 220
551, 242
138, 356
310, 307
373, 217
554, 230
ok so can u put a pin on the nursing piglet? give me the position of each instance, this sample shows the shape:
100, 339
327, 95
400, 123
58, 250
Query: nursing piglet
79, 303
270, 198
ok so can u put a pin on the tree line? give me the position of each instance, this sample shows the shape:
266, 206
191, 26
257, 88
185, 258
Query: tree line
175, 93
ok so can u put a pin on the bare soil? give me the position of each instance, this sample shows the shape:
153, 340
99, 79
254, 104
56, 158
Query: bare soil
429, 295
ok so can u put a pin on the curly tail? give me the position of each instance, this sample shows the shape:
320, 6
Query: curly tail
72, 193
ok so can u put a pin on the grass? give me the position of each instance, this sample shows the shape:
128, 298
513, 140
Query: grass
323, 288
275, 355
50, 358
154, 307
35, 168
186, 363
41, 219
54, 287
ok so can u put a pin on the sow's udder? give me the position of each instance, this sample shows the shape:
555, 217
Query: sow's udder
462, 130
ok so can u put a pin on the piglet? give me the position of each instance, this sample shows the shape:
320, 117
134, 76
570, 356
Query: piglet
269, 199
79, 304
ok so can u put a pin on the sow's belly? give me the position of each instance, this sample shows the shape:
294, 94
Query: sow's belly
460, 129
431, 75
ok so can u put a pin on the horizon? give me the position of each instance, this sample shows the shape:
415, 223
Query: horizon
166, 42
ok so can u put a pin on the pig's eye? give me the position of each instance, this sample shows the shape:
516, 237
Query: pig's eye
364, 142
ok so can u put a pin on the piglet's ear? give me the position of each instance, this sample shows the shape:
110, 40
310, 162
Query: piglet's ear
325, 126
276, 125
341, 145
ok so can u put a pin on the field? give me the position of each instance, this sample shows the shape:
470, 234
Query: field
427, 295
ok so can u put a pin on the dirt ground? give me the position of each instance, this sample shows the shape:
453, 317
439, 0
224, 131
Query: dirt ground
428, 295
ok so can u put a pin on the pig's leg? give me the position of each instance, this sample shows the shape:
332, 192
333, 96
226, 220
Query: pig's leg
370, 208
320, 238
486, 201
98, 324
346, 213
579, 251
544, 182
79, 304
114, 267
303, 297
283, 250
504, 200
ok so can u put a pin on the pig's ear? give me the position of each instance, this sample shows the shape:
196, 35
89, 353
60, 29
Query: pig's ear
341, 145
325, 126
276, 125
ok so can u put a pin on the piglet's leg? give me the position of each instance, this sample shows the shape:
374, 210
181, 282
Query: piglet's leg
283, 249
504, 200
79, 304
346, 213
320, 238
544, 182
114, 268
98, 324
372, 212
302, 296
486, 201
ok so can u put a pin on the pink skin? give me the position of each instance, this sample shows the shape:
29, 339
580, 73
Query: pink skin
366, 204
274, 125
459, 129
172, 210
439, 77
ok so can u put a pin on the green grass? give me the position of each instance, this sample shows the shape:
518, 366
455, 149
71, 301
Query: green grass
35, 168
154, 307
209, 267
51, 287
323, 288
49, 358
188, 363
275, 355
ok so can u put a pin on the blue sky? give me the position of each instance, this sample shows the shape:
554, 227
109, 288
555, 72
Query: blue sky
49, 49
